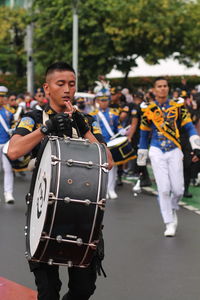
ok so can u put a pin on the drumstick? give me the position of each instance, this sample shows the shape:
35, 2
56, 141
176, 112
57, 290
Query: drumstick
116, 135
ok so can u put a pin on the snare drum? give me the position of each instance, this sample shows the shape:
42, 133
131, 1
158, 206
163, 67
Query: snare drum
66, 202
21, 164
121, 150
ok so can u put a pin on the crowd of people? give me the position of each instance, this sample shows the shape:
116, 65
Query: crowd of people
117, 112
157, 124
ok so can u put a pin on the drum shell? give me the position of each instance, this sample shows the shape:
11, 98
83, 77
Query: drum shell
21, 164
121, 150
72, 221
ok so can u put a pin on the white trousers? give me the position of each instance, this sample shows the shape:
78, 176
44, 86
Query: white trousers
112, 176
168, 172
8, 172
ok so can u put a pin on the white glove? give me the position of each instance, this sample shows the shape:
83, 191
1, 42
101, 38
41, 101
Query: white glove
195, 141
122, 131
22, 104
5, 147
11, 130
142, 155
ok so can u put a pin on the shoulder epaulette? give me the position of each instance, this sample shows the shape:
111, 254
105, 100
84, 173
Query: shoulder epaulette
177, 102
125, 109
114, 111
10, 109
146, 105
94, 112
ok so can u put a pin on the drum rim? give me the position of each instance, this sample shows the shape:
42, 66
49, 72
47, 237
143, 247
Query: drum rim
30, 194
56, 195
125, 139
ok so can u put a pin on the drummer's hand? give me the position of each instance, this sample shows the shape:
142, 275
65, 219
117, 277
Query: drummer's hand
70, 109
195, 158
110, 159
59, 123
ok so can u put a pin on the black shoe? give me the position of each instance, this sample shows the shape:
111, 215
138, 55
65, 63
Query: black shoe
145, 182
119, 181
22, 174
187, 194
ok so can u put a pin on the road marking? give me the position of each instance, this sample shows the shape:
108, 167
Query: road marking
154, 193
10, 290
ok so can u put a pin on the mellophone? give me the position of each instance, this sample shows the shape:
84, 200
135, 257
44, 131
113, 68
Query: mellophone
66, 202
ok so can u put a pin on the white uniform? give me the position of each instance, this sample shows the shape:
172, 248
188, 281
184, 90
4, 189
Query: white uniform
6, 118
163, 122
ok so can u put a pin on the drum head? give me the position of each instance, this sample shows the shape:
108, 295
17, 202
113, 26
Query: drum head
116, 142
40, 199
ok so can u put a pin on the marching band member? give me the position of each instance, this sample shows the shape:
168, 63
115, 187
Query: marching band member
12, 103
60, 87
131, 115
6, 120
163, 118
108, 121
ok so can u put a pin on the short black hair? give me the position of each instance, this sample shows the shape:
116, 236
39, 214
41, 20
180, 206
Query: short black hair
159, 78
59, 66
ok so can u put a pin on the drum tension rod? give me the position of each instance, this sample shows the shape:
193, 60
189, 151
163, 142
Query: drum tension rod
84, 141
79, 242
69, 264
101, 203
70, 162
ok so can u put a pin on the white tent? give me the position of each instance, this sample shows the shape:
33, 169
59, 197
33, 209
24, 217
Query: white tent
165, 68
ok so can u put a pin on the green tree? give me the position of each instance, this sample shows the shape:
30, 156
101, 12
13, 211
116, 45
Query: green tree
53, 37
189, 51
12, 34
111, 33
147, 28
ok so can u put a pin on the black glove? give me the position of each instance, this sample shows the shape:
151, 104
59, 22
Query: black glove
59, 123
196, 152
81, 122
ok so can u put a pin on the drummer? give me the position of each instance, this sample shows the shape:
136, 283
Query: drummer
60, 87
108, 120
131, 114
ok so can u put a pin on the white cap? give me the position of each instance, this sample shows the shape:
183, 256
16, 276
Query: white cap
3, 90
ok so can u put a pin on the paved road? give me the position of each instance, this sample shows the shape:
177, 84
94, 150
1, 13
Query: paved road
140, 262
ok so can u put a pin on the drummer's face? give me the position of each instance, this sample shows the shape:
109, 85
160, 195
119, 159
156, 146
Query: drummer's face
60, 88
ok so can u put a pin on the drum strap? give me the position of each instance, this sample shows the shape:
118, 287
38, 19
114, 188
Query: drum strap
105, 122
3, 123
45, 117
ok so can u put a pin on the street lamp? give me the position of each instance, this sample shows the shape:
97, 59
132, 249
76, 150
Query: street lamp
75, 39
29, 51
12, 3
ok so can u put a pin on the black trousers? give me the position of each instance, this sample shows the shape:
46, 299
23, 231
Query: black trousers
81, 282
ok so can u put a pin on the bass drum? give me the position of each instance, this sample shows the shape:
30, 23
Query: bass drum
66, 202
